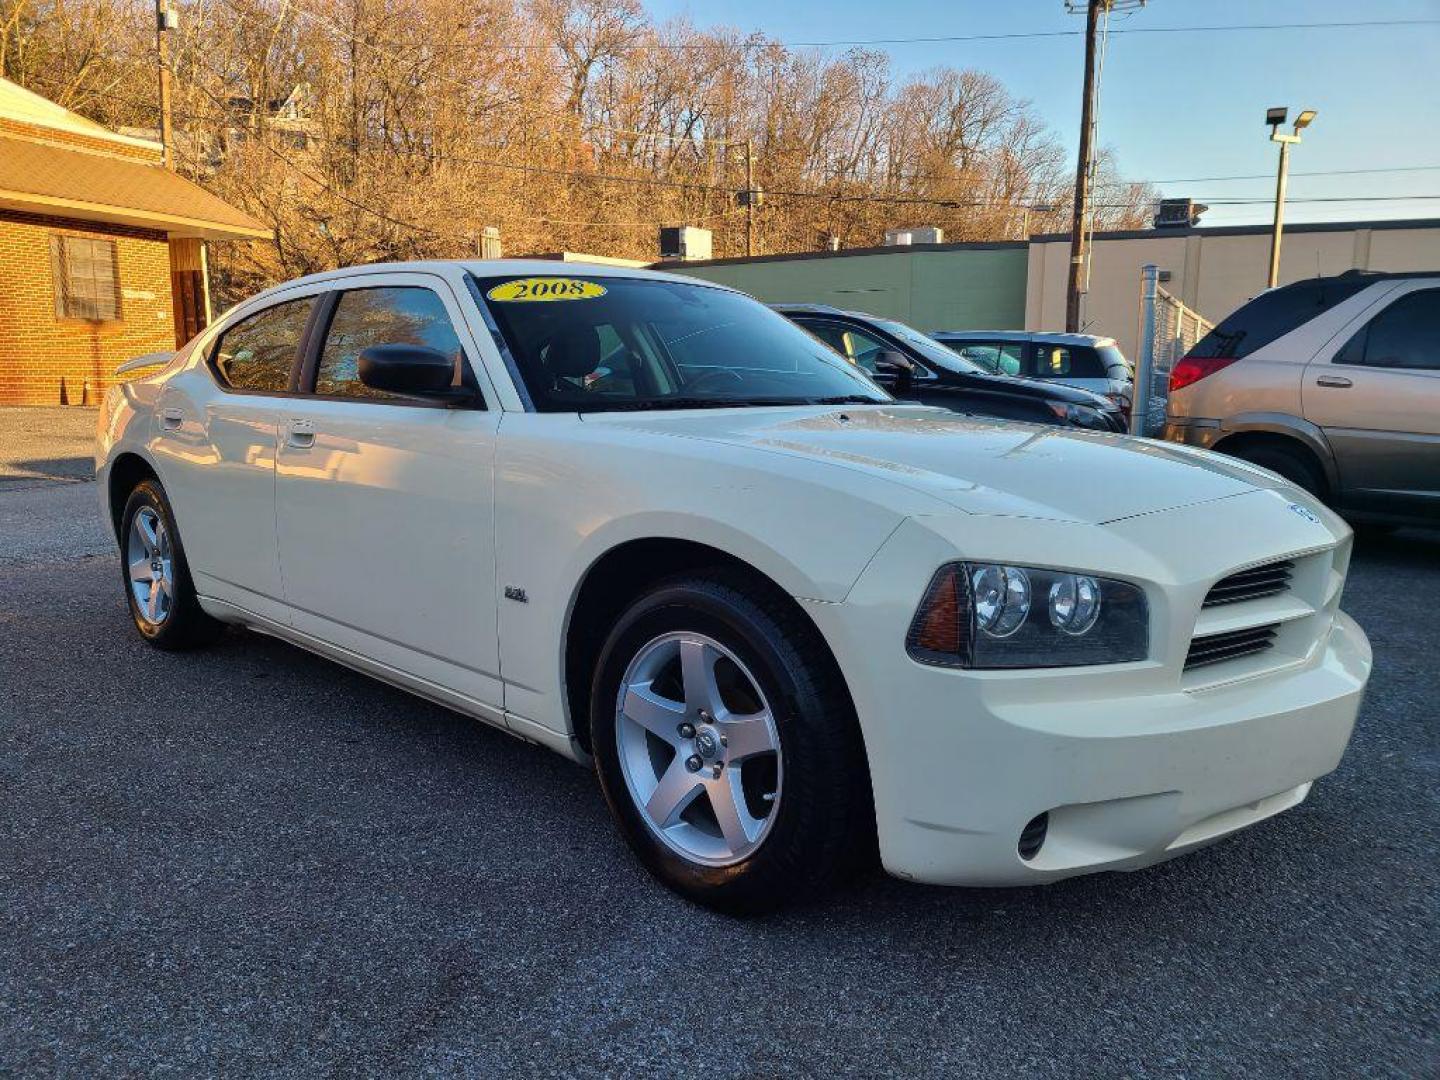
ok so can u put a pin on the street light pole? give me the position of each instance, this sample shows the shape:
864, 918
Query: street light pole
1276, 117
1280, 181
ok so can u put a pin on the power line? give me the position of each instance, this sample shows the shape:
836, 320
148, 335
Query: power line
1271, 175
947, 39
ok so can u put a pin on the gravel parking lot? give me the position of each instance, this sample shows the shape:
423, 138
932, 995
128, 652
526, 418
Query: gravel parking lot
249, 860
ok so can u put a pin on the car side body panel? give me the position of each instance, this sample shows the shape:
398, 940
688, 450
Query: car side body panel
809, 526
1382, 423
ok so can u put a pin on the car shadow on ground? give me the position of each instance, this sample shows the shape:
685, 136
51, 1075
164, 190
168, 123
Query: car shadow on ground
1400, 547
79, 467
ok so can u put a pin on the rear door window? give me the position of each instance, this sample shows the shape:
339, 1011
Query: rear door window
1067, 362
258, 353
1405, 335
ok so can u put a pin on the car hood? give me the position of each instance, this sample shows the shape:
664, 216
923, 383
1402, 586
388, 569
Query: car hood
977, 465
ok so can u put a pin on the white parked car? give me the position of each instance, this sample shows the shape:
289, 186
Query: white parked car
649, 523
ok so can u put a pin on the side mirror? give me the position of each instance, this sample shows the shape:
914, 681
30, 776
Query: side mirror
411, 370
895, 363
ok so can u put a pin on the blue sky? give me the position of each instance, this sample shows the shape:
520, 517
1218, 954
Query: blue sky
1180, 106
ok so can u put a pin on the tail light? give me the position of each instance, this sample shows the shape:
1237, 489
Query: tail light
1194, 368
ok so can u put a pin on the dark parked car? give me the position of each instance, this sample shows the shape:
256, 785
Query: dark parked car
917, 368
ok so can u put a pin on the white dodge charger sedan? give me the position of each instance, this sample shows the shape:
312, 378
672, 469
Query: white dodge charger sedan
651, 524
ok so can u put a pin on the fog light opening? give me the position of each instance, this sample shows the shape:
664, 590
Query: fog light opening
1032, 837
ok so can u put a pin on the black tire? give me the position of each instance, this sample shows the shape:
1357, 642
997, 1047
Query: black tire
185, 626
824, 824
1293, 465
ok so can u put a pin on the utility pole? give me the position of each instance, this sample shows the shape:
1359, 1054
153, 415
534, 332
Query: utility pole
1082, 169
749, 197
165, 21
1276, 117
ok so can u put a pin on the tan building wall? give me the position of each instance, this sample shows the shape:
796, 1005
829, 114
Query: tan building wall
1213, 271
47, 360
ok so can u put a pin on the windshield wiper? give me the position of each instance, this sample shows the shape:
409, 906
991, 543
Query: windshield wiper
846, 399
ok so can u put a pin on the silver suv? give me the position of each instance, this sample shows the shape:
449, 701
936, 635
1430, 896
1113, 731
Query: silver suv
1081, 360
1334, 383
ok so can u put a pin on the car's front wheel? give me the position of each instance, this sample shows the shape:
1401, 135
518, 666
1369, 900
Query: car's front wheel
157, 577
727, 747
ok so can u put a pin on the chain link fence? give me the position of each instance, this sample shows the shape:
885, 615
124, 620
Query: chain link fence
1168, 330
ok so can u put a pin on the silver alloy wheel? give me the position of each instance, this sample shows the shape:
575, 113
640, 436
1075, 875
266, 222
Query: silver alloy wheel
150, 565
685, 749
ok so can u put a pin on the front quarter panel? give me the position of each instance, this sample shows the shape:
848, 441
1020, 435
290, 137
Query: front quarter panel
570, 490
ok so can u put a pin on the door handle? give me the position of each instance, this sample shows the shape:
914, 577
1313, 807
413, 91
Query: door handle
171, 419
300, 433
1339, 382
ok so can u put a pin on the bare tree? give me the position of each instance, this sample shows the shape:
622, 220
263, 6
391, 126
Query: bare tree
377, 129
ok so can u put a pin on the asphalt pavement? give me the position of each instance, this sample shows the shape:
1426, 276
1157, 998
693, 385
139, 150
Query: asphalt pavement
249, 861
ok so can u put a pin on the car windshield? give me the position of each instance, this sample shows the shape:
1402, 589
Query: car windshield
929, 348
584, 344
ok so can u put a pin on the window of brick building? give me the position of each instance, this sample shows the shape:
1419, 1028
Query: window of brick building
86, 284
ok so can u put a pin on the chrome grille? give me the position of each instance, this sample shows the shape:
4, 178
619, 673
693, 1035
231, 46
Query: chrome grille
1214, 648
1259, 581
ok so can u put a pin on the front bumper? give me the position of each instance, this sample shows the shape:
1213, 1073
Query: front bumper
1132, 764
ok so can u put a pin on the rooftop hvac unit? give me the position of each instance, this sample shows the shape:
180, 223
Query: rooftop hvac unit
685, 242
1178, 213
930, 234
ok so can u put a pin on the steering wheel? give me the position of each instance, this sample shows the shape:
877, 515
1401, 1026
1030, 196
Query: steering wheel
713, 376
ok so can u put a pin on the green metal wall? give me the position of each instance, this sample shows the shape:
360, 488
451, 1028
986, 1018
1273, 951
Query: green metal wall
959, 288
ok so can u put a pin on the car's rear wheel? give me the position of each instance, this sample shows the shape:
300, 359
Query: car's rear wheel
158, 587
727, 750
1291, 464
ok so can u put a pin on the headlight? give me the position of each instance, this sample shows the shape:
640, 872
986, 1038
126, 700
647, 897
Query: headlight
1083, 416
983, 615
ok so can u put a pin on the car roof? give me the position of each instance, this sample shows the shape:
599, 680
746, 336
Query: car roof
1041, 336
491, 268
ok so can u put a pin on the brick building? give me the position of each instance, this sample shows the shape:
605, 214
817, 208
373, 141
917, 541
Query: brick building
102, 252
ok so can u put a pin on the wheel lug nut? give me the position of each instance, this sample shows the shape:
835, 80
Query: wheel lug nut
716, 771
724, 740
693, 763
687, 731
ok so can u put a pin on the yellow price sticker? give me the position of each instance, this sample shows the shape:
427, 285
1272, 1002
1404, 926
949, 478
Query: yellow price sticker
528, 290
